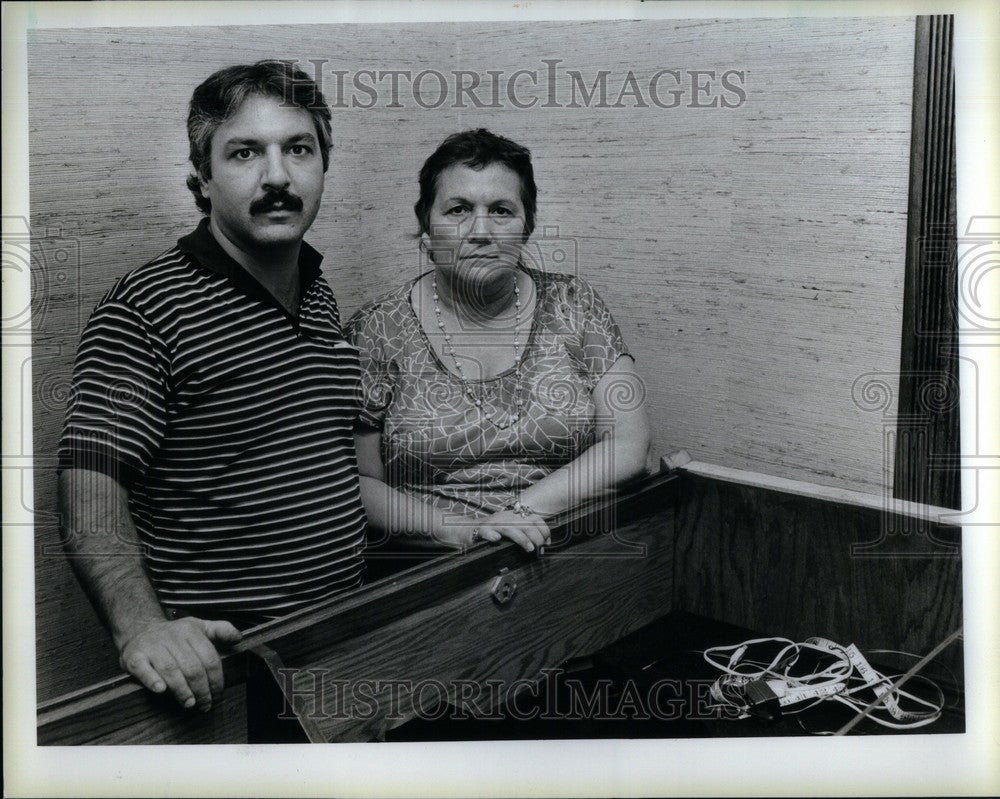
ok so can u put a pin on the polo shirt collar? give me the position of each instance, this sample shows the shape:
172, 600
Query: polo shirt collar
202, 246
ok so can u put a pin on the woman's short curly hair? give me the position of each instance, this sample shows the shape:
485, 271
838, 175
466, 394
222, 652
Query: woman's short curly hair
477, 149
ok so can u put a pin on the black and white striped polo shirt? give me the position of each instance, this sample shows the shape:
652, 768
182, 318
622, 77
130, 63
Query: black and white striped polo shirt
230, 423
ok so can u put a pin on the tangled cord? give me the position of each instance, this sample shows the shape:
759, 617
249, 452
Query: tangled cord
770, 687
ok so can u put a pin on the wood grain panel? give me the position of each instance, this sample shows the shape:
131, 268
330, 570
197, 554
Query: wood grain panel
797, 566
753, 256
781, 563
120, 711
305, 634
359, 688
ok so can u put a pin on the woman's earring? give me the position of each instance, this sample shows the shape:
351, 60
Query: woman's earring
425, 247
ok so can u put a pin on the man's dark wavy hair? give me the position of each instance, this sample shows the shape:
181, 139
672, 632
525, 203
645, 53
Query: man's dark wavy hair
477, 149
222, 94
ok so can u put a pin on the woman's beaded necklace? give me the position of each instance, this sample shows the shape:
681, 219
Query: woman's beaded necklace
512, 418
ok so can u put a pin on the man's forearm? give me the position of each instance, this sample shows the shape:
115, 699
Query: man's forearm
178, 656
104, 551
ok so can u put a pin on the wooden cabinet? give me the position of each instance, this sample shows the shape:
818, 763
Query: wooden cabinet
789, 558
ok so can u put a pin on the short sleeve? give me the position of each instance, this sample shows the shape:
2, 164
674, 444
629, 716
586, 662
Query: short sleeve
116, 415
366, 330
600, 340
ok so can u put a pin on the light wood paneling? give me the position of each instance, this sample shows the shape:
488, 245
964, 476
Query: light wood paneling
753, 256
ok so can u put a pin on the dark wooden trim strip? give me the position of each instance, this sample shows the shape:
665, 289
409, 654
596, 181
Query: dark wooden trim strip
927, 430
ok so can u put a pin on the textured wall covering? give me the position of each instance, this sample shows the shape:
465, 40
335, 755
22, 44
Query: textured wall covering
753, 255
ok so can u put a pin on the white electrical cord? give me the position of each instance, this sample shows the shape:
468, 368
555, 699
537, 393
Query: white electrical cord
842, 674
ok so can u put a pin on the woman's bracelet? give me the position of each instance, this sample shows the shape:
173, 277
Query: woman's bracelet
520, 509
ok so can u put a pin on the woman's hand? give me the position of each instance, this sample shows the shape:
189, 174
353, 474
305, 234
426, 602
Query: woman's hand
528, 531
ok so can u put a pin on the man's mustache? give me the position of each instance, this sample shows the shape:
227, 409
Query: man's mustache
273, 199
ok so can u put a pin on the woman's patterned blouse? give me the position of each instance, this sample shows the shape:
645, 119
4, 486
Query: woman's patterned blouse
437, 444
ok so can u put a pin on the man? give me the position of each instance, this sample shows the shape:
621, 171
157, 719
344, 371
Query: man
208, 480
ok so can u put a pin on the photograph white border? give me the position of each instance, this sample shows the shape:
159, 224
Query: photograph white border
917, 764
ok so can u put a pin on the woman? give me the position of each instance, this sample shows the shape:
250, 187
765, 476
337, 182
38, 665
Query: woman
491, 392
